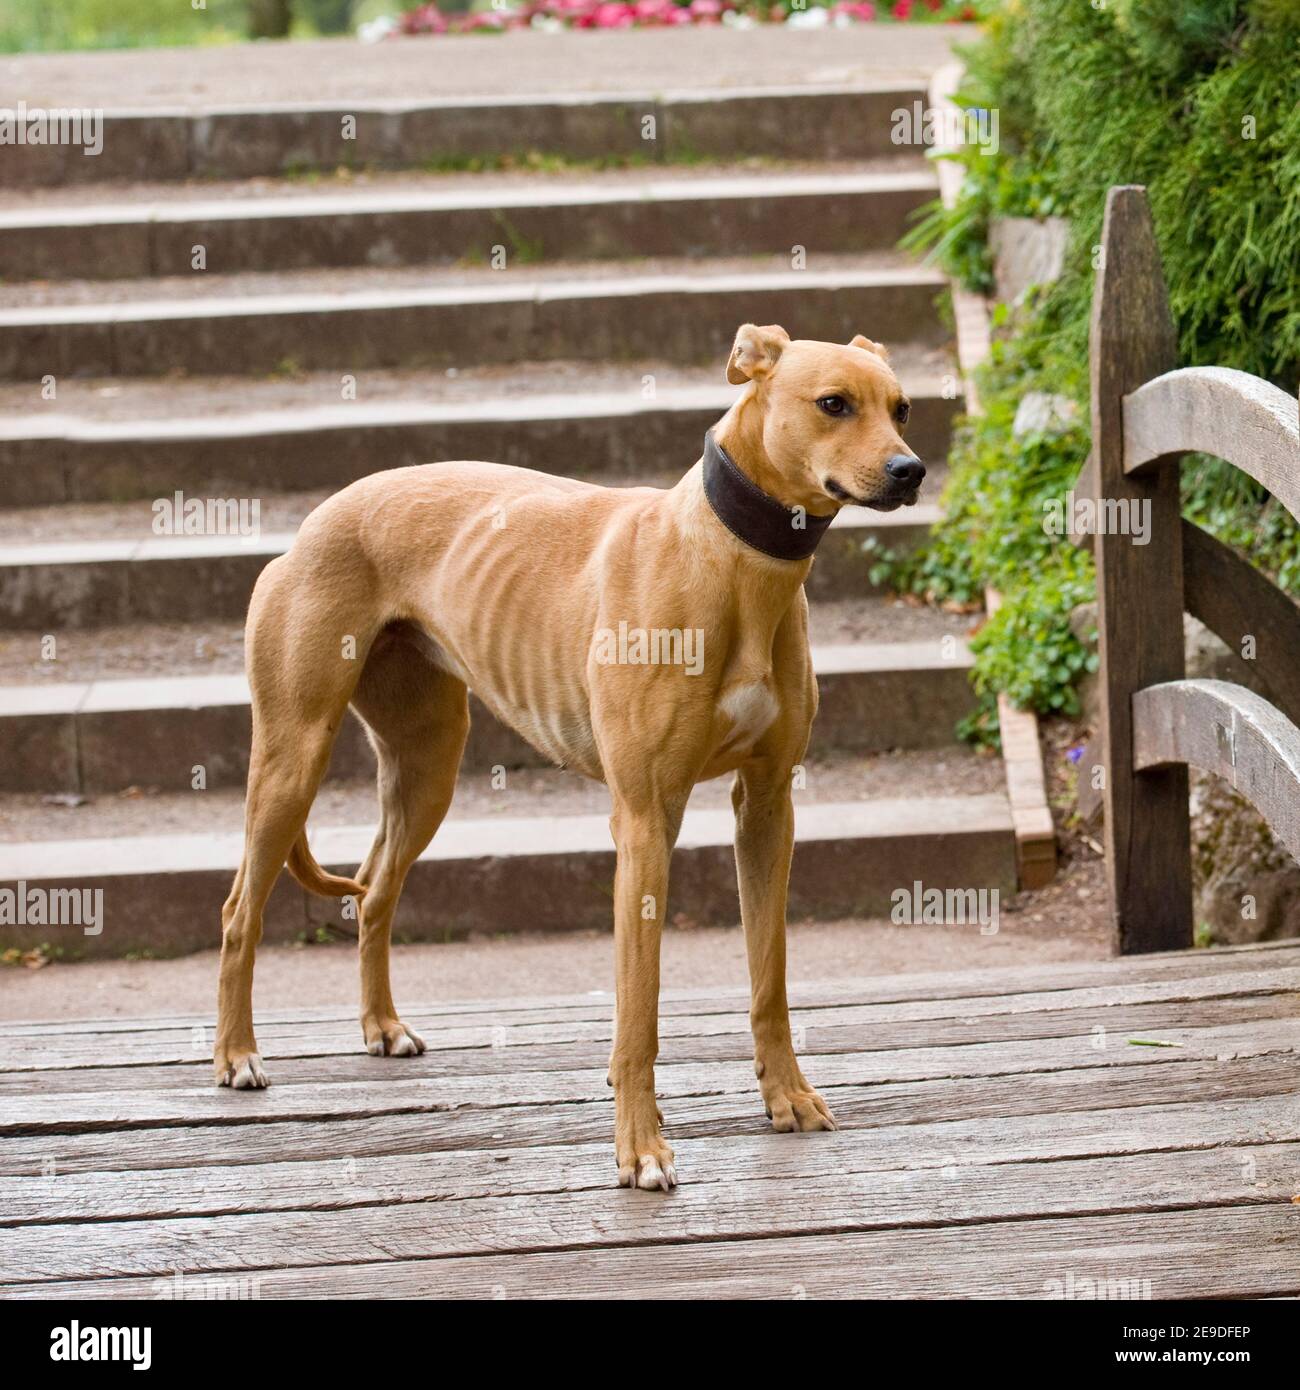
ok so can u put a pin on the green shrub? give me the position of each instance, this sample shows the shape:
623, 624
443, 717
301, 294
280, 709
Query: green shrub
1201, 103
38, 26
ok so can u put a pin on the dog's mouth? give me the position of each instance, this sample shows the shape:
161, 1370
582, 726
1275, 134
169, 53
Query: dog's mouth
884, 502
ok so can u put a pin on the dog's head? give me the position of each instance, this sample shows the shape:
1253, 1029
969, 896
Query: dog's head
832, 419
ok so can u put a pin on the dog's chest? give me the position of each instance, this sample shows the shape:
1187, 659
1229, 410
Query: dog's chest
749, 709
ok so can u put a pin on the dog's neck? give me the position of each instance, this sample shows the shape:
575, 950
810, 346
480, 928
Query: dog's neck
741, 486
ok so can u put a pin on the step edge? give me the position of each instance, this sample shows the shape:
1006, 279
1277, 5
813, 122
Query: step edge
886, 819
89, 215
219, 690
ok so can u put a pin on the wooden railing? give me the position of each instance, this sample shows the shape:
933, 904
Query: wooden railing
1153, 722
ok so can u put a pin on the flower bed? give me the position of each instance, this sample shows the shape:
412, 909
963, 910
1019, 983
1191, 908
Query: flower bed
631, 14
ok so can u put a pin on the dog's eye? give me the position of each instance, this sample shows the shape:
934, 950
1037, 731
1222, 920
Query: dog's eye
901, 411
833, 405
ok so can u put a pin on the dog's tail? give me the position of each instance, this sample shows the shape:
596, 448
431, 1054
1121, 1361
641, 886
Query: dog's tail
303, 866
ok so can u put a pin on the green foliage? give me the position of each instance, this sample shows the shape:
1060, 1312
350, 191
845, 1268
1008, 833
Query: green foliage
39, 26
1201, 103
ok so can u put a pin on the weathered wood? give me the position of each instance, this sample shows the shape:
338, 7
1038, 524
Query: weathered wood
318, 1185
1235, 601
326, 1059
746, 1205
1221, 1252
910, 1103
78, 1058
1232, 732
1139, 589
67, 1112
1027, 1130
1252, 424
939, 984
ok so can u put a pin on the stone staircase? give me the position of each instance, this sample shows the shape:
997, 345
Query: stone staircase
573, 320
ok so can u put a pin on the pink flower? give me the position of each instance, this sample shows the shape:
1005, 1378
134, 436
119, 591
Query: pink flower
902, 9
860, 10
424, 19
486, 19
612, 16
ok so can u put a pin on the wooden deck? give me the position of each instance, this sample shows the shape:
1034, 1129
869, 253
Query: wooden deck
1003, 1136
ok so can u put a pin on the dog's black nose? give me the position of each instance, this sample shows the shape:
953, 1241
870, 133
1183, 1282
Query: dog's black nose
904, 468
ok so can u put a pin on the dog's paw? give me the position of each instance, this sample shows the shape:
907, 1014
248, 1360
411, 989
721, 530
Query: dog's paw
645, 1159
798, 1107
652, 1169
241, 1072
391, 1038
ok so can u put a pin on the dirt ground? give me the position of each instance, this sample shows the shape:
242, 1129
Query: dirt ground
294, 977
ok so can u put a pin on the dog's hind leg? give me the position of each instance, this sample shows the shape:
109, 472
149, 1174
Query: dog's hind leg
300, 677
418, 718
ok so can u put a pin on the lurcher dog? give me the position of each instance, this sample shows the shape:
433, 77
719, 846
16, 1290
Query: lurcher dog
410, 586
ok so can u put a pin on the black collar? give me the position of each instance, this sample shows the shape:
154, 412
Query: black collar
752, 515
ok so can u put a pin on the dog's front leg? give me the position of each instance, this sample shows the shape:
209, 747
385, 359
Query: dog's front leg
644, 839
764, 847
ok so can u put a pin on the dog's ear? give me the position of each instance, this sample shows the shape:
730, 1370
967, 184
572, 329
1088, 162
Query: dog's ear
868, 346
755, 352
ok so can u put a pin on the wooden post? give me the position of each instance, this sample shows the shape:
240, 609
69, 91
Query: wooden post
1139, 590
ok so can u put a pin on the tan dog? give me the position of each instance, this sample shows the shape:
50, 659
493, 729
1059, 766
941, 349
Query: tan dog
409, 586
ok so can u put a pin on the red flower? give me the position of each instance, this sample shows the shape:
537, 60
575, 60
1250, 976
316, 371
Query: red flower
902, 9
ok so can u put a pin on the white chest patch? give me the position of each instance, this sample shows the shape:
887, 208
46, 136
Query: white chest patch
751, 709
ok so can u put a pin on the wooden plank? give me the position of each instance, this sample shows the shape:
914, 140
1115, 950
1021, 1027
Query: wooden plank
746, 1205
1182, 1080
1232, 732
322, 1065
463, 1174
1251, 423
81, 1057
67, 1112
1139, 590
953, 984
1022, 759
1224, 1252
1235, 601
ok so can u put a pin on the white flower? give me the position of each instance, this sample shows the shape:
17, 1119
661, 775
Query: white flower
817, 18
373, 30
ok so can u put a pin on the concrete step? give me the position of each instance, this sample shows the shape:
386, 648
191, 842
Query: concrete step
233, 438
685, 312
429, 225
214, 141
49, 586
104, 736
540, 871
208, 647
